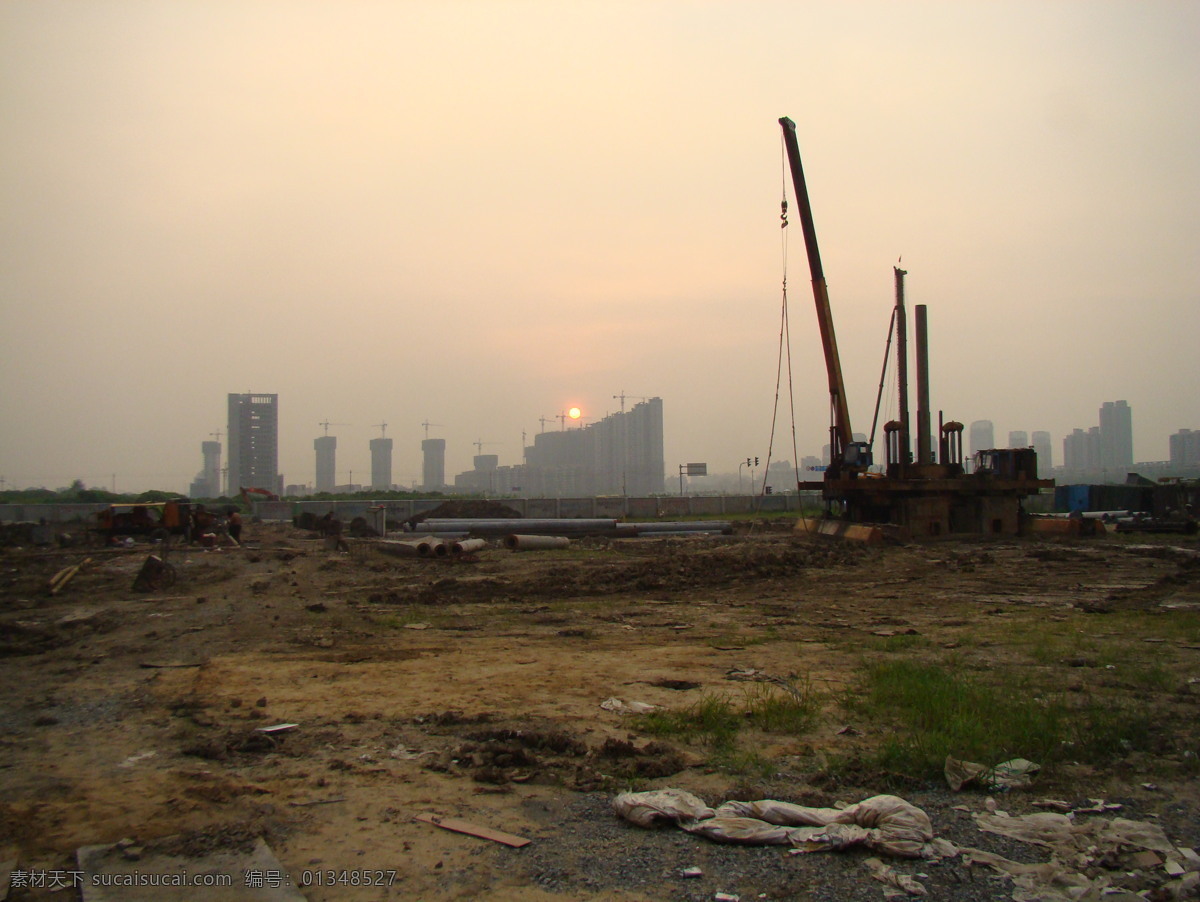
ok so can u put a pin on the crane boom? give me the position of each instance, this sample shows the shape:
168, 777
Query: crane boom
842, 435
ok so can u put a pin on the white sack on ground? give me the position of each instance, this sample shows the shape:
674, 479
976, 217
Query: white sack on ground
660, 806
886, 824
744, 830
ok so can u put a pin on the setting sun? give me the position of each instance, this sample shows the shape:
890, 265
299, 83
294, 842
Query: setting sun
574, 413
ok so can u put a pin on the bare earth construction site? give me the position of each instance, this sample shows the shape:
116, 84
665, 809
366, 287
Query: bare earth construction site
472, 689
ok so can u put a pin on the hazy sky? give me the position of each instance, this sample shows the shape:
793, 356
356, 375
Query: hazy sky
479, 214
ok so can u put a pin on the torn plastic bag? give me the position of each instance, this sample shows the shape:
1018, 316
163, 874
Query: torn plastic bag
1049, 881
890, 876
1016, 773
1066, 836
660, 806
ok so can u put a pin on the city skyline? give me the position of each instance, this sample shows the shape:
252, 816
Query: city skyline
391, 212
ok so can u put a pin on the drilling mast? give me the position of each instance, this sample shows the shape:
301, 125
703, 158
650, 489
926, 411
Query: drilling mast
842, 451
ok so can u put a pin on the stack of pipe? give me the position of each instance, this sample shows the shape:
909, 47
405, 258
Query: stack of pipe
570, 527
502, 527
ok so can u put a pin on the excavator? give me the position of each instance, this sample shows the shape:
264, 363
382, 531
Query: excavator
259, 495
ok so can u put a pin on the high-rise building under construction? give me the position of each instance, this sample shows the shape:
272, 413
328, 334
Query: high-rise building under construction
326, 449
621, 454
433, 464
381, 463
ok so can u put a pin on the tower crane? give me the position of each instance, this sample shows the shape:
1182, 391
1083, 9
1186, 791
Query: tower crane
327, 424
382, 427
622, 396
479, 445
427, 424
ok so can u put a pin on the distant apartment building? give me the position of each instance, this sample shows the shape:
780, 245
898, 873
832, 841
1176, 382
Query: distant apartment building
381, 463
488, 477
253, 443
982, 436
1185, 447
1081, 450
1018, 438
621, 454
326, 450
1116, 435
1045, 455
433, 464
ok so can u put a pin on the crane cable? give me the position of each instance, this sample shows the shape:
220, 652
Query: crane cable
785, 342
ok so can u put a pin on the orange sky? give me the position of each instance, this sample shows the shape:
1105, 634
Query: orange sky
482, 213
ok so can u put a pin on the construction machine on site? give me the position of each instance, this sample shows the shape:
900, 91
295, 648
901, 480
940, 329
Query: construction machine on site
931, 494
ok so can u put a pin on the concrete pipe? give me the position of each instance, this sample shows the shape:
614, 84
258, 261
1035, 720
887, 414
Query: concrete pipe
535, 543
429, 547
467, 546
393, 546
685, 526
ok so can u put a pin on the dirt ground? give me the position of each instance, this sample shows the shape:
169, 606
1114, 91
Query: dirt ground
472, 689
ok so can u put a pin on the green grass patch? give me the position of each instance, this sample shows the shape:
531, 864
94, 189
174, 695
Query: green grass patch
773, 709
717, 720
711, 719
939, 712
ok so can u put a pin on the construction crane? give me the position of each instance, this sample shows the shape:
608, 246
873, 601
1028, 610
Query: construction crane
427, 424
622, 396
479, 445
327, 424
382, 427
843, 451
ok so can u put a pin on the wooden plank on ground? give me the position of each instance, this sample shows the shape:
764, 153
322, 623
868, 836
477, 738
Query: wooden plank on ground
460, 826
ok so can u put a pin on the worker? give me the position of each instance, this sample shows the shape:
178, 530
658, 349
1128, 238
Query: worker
329, 525
235, 525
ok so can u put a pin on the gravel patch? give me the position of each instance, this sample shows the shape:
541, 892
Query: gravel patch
583, 849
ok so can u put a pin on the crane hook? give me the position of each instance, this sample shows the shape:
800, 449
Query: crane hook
783, 214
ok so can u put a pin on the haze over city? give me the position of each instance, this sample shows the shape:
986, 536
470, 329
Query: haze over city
481, 214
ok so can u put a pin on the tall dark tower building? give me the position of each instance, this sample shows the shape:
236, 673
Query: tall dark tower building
253, 443
326, 448
433, 468
983, 436
1116, 435
381, 463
